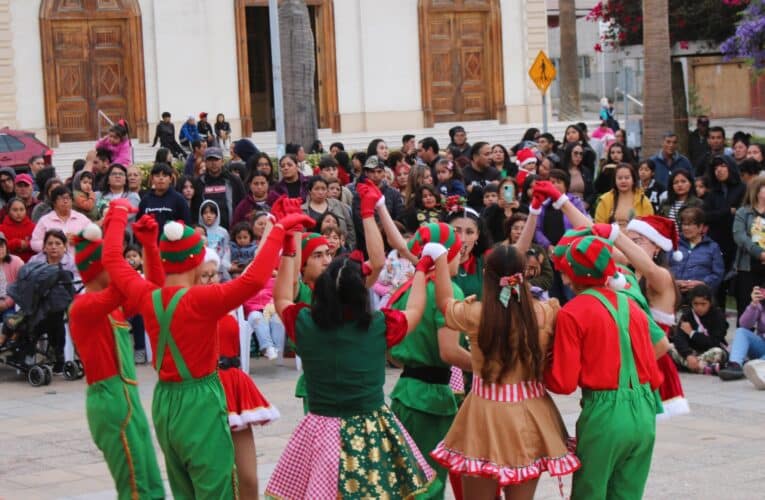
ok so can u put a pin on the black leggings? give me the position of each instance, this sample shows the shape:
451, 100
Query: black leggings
53, 325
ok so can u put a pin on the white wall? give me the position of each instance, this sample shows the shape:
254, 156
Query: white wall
196, 67
348, 43
513, 49
30, 98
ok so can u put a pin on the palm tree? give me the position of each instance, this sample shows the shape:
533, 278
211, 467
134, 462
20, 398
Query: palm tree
298, 73
569, 61
657, 86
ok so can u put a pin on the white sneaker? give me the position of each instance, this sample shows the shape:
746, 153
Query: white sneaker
271, 353
755, 372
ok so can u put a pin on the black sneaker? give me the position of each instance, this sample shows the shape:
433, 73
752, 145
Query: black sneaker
731, 372
58, 368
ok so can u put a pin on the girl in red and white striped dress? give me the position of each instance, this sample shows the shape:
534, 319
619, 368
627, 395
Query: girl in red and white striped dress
508, 431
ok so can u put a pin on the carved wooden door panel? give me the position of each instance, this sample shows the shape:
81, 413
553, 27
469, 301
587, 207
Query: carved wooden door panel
459, 84
108, 75
72, 82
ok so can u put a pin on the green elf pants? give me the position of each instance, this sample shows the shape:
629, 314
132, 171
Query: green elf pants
120, 430
192, 428
191, 421
427, 430
616, 429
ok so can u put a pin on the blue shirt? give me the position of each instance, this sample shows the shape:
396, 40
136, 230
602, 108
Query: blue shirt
664, 169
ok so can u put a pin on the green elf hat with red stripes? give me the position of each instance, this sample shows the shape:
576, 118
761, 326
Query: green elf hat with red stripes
180, 247
436, 233
308, 243
87, 252
587, 260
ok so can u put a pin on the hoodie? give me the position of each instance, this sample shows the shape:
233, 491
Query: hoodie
217, 237
83, 202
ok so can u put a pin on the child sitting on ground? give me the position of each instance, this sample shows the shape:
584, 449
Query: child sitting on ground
698, 344
243, 247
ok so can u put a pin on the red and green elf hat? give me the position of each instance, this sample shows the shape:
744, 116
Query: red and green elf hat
309, 243
436, 233
180, 248
587, 260
87, 252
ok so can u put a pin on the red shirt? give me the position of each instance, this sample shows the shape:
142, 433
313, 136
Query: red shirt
228, 335
586, 350
194, 326
15, 233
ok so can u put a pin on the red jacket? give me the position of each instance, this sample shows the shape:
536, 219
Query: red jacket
15, 233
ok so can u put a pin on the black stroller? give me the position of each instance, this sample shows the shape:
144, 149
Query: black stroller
40, 289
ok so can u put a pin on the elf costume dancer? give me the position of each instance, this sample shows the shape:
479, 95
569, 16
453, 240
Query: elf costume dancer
349, 445
101, 334
610, 356
422, 398
646, 244
508, 430
189, 407
246, 405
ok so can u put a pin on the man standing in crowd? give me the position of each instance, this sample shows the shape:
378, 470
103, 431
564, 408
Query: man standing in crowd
716, 142
479, 174
218, 185
668, 159
408, 145
546, 144
374, 170
165, 134
428, 152
163, 202
101, 162
195, 159
459, 145
698, 146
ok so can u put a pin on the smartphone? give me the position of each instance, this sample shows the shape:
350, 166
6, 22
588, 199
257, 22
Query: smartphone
508, 193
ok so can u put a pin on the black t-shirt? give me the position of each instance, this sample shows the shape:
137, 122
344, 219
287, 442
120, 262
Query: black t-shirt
293, 189
552, 226
479, 180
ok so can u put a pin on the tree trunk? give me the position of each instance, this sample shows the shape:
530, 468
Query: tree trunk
298, 73
680, 108
569, 62
657, 86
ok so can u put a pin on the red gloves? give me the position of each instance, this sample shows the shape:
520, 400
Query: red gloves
123, 204
549, 191
606, 231
425, 264
370, 196
296, 222
284, 206
146, 230
537, 200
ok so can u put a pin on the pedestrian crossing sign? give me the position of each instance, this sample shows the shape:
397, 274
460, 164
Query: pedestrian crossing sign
542, 71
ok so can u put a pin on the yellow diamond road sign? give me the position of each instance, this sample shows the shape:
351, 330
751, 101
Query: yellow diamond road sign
542, 72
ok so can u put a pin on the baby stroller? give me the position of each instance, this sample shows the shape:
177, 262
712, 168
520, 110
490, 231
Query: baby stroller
40, 289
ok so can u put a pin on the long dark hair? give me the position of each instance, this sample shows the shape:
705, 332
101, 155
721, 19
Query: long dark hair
636, 191
671, 196
340, 296
509, 335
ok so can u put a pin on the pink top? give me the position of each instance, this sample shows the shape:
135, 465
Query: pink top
260, 300
122, 153
11, 270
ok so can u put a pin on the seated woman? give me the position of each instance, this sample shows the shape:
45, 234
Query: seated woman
748, 345
625, 200
698, 344
426, 208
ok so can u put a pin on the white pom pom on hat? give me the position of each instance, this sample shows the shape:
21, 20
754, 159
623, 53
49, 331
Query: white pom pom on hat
173, 231
677, 256
617, 282
92, 232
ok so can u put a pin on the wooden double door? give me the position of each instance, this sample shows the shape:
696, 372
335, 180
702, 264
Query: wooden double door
460, 47
89, 76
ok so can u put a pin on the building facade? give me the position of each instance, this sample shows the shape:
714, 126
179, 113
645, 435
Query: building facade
393, 64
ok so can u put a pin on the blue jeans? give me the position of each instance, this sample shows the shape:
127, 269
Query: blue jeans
746, 344
269, 332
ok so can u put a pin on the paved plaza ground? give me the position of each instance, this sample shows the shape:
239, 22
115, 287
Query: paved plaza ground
46, 451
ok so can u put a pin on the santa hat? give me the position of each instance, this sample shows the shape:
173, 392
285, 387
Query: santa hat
436, 233
525, 156
309, 243
587, 260
660, 230
180, 248
87, 252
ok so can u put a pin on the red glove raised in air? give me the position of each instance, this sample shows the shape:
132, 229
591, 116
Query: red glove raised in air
370, 196
146, 230
606, 231
549, 191
296, 222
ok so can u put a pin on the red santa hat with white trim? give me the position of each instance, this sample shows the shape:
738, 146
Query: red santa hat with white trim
524, 157
660, 230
